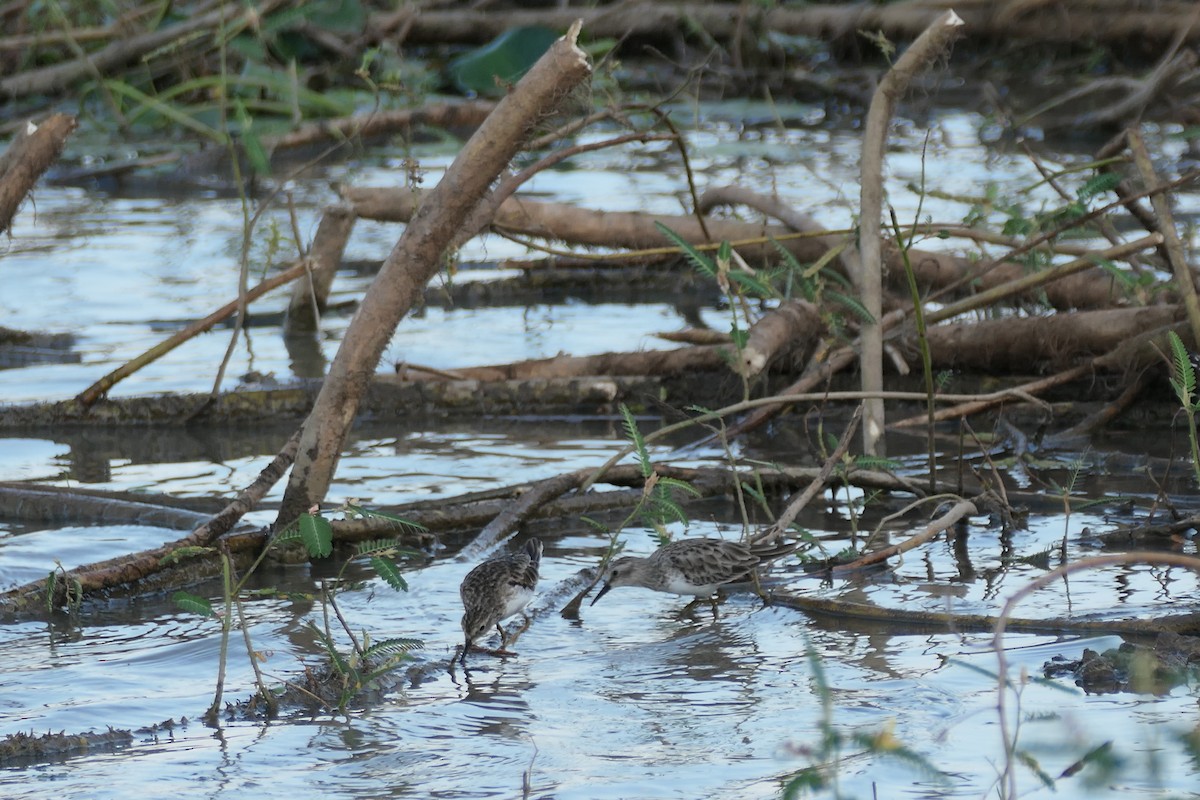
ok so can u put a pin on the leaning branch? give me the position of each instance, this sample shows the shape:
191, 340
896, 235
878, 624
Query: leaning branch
416, 259
930, 45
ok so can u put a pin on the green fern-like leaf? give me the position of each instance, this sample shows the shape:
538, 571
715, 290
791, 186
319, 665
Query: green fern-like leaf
317, 534
387, 569
698, 259
853, 305
674, 511
194, 604
1031, 763
1097, 185
596, 524
288, 534
676, 483
368, 512
753, 284
637, 440
876, 462
666, 508
1183, 373
394, 646
724, 253
336, 659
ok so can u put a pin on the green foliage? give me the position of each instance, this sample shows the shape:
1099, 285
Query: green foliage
194, 604
699, 260
340, 664
658, 506
72, 592
252, 146
1183, 374
353, 511
317, 534
51, 585
634, 434
389, 571
853, 305
501, 62
394, 646
362, 667
1030, 762
1097, 185
1183, 381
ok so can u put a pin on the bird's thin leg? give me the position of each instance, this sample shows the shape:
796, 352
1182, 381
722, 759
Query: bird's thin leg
687, 611
758, 588
516, 632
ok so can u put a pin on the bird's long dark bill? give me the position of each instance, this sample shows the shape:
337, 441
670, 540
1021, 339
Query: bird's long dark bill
600, 593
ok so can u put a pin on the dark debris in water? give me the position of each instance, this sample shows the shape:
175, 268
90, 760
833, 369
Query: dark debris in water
1171, 661
17, 749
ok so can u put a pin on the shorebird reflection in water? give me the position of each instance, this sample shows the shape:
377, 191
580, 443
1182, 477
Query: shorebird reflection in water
697, 567
496, 590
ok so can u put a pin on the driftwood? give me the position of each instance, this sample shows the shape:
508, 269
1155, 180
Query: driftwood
1091, 288
793, 327
1111, 21
309, 297
933, 43
29, 154
131, 570
98, 389
1024, 345
416, 259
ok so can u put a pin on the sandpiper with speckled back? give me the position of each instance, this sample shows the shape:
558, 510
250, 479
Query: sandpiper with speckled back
697, 567
496, 590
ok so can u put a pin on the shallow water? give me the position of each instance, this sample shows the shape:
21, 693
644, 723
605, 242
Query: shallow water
629, 701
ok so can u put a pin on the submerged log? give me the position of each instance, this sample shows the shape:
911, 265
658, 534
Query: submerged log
1092, 288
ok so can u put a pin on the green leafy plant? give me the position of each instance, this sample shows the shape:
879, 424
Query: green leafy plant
72, 590
353, 671
1183, 381
658, 506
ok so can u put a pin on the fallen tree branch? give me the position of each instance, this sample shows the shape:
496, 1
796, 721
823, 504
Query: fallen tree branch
1185, 283
932, 44
100, 388
955, 514
28, 156
128, 570
416, 259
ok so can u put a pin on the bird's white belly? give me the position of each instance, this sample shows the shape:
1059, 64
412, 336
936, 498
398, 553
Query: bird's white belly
518, 597
677, 584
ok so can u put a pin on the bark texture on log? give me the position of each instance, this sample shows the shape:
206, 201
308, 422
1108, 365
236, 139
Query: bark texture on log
311, 295
416, 259
1093, 288
29, 155
1111, 21
1025, 344
795, 325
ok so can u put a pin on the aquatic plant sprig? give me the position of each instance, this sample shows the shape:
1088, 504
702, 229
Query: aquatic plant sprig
1183, 381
